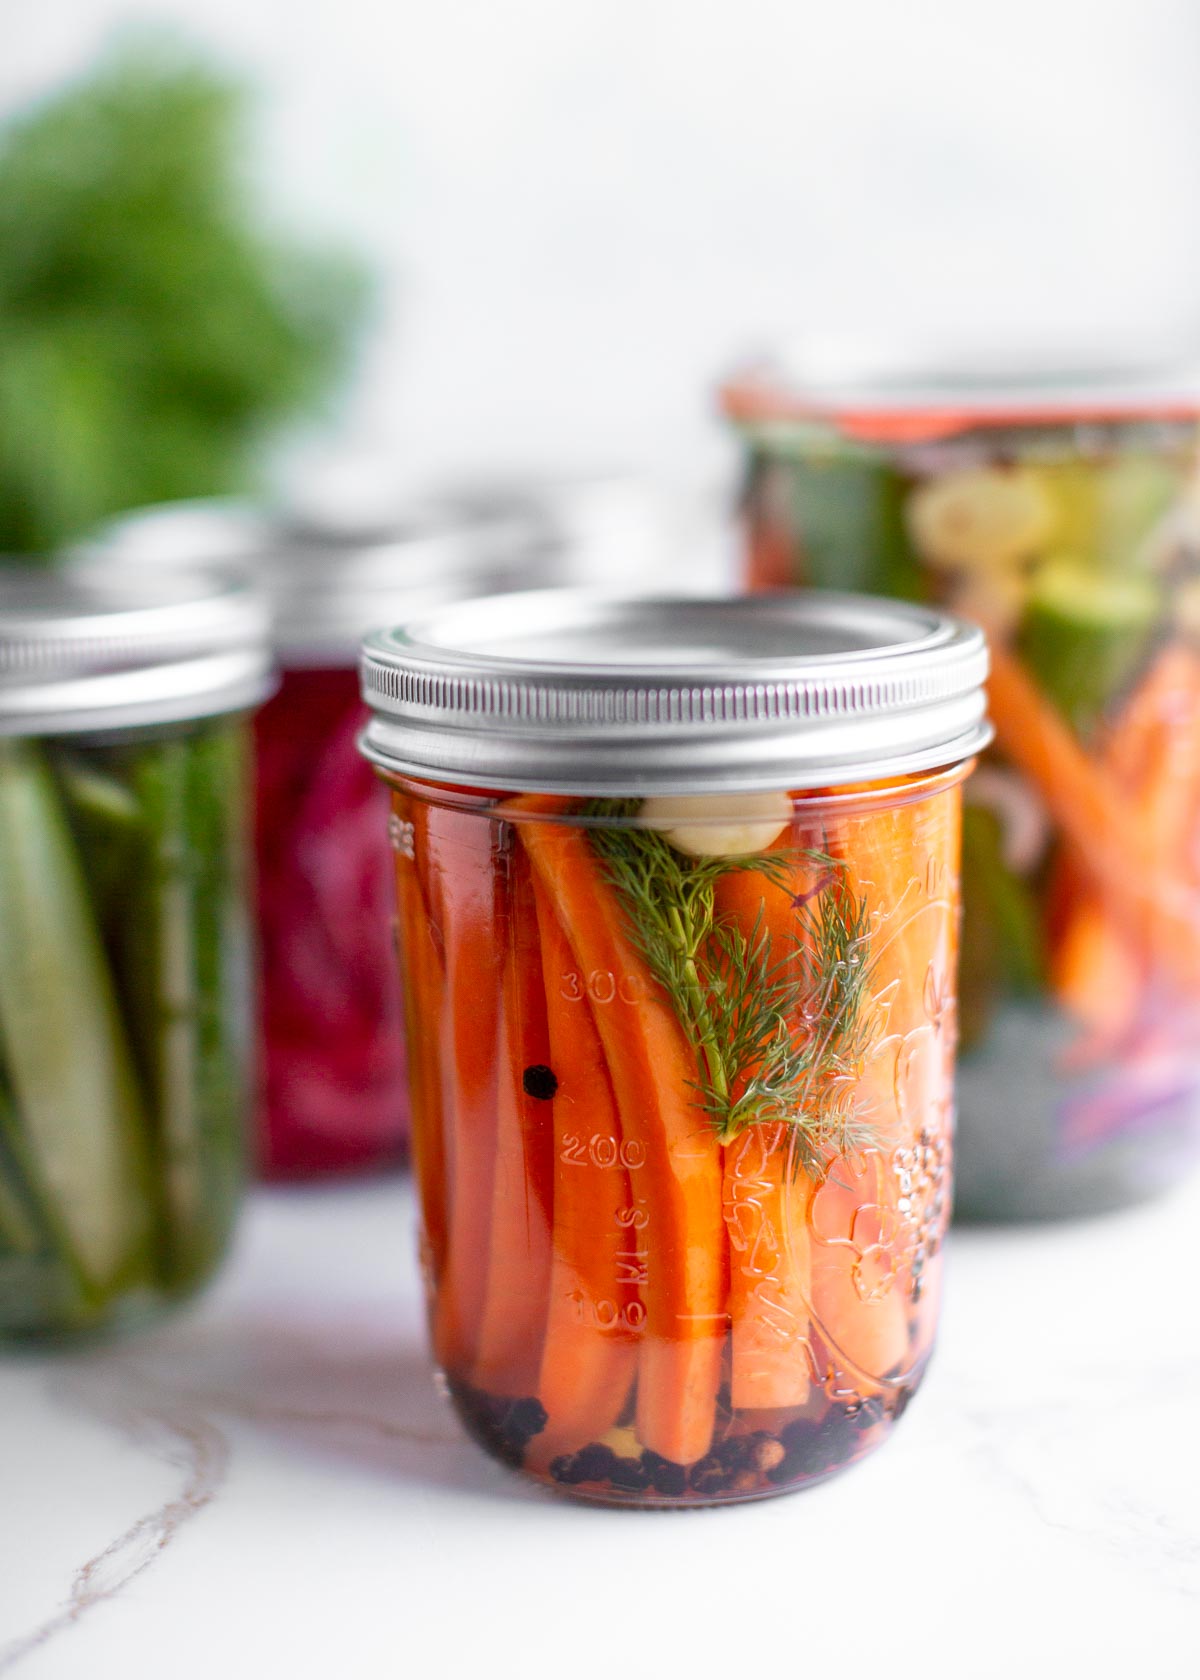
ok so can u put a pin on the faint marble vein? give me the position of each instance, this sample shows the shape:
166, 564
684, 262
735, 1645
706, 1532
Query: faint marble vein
197, 1448
178, 1421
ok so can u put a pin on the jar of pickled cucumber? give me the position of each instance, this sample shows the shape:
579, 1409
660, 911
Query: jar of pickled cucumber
334, 1094
1064, 517
126, 995
678, 895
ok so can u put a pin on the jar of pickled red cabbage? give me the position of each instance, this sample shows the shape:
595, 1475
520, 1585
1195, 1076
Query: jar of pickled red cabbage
1065, 518
126, 975
678, 896
334, 1096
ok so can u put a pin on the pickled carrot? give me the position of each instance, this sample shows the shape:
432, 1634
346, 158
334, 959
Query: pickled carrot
860, 1307
1153, 753
590, 1353
464, 900
679, 1179
424, 1003
1150, 896
513, 1318
902, 864
764, 1197
772, 1362
773, 558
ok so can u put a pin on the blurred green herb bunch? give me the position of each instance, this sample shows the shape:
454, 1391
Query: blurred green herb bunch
154, 334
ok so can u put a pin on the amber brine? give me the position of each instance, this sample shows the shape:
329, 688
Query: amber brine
681, 1074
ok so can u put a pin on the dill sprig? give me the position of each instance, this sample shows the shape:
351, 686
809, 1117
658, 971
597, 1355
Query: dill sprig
780, 1035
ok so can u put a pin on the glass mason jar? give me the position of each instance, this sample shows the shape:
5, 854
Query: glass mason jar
1066, 521
334, 1094
678, 890
126, 997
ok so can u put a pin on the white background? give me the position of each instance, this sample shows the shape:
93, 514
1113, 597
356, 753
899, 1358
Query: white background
581, 210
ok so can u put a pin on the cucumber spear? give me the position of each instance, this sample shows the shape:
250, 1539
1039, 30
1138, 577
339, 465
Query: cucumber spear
81, 1123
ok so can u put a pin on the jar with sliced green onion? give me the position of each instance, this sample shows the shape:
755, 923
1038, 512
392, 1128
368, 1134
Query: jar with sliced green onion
126, 988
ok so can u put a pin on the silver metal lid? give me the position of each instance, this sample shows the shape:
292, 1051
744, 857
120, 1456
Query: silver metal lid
944, 386
572, 692
88, 648
330, 574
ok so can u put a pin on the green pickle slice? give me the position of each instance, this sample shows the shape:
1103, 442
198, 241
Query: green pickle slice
80, 1132
173, 961
1084, 635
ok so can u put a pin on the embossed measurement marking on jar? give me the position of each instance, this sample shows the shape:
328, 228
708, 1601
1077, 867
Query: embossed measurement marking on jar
760, 1247
602, 1150
601, 986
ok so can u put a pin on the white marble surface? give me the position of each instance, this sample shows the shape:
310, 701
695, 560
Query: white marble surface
269, 1486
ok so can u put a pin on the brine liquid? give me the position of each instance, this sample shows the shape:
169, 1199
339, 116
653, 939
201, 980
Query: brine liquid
623, 1305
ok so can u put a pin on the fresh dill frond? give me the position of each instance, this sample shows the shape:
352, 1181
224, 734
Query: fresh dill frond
780, 1029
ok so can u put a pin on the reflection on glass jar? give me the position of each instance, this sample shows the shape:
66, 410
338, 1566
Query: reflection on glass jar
682, 1063
1067, 523
126, 995
333, 1095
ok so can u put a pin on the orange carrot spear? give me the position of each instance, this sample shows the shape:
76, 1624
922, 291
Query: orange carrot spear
463, 890
902, 863
765, 1196
1153, 755
772, 1360
678, 1177
595, 1311
1151, 897
513, 1317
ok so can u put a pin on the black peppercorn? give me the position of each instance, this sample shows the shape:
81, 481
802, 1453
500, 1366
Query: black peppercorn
629, 1473
666, 1476
540, 1081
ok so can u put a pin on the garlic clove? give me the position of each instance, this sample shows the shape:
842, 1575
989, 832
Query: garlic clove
719, 825
981, 517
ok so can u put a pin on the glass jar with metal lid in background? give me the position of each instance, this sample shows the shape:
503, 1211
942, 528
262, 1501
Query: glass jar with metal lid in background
1063, 514
126, 982
334, 1094
678, 895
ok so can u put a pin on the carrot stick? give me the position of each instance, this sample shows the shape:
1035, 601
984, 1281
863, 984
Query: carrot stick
679, 1179
1153, 754
861, 1311
1151, 898
463, 892
902, 863
1096, 975
424, 1001
590, 1352
513, 1317
764, 1198
772, 1364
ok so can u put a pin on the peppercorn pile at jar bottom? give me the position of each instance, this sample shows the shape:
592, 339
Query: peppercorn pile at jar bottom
682, 1127
743, 1462
124, 986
